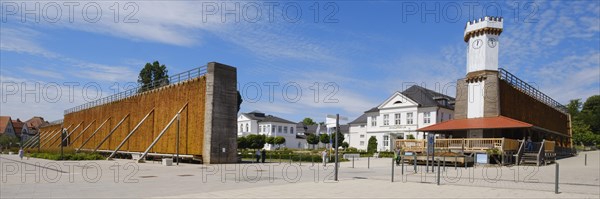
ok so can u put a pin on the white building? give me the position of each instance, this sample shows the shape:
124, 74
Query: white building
258, 123
400, 116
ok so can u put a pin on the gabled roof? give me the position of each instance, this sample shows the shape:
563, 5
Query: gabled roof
427, 98
35, 122
4, 121
374, 109
18, 126
261, 117
362, 119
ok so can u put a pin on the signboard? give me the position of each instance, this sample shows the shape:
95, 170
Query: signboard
481, 158
430, 143
408, 153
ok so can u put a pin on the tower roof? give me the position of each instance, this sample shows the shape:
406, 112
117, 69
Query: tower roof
490, 25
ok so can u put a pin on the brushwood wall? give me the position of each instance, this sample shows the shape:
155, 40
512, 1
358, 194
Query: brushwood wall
196, 98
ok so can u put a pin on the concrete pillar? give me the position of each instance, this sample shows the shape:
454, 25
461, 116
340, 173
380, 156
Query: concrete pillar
220, 116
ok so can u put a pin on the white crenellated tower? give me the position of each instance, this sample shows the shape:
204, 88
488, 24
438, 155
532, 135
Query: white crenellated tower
481, 36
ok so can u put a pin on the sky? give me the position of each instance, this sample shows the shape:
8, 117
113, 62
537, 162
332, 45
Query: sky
294, 59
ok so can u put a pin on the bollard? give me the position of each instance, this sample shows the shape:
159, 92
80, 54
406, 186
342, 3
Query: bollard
415, 162
444, 163
393, 162
455, 161
585, 160
438, 173
300, 162
368, 162
402, 162
290, 158
312, 160
352, 161
556, 180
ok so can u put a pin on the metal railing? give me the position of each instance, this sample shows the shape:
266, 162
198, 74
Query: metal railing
530, 90
466, 144
174, 79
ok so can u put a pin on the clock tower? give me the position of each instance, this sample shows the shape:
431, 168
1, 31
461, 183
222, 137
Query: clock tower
478, 92
482, 44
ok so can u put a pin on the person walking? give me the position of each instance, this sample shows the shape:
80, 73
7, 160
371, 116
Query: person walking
257, 156
21, 153
263, 155
397, 153
324, 156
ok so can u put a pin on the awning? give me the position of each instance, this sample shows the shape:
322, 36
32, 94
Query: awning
499, 122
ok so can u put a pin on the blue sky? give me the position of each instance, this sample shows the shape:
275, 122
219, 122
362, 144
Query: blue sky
355, 53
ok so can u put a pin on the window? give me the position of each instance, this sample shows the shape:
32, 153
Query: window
279, 129
426, 117
442, 117
449, 116
247, 128
362, 136
292, 130
285, 129
409, 118
397, 118
273, 129
386, 119
373, 120
362, 143
386, 140
362, 126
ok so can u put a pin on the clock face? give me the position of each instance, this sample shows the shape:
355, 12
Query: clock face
477, 44
492, 42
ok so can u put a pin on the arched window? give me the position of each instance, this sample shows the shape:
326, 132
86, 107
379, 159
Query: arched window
247, 128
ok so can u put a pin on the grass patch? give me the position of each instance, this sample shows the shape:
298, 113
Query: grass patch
68, 156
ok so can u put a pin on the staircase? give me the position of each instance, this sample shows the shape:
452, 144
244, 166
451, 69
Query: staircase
530, 158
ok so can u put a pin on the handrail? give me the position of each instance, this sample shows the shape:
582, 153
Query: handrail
180, 77
539, 155
520, 152
530, 90
162, 133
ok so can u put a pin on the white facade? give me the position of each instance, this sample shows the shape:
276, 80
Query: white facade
247, 126
398, 117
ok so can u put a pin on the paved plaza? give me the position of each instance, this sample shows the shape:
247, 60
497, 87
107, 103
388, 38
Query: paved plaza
38, 178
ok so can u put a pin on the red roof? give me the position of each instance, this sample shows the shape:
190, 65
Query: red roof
499, 122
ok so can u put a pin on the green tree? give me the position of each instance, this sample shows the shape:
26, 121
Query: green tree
410, 137
345, 145
583, 135
153, 76
590, 113
372, 146
340, 138
312, 139
270, 140
239, 101
308, 121
242, 143
6, 140
574, 107
256, 141
279, 140
324, 138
